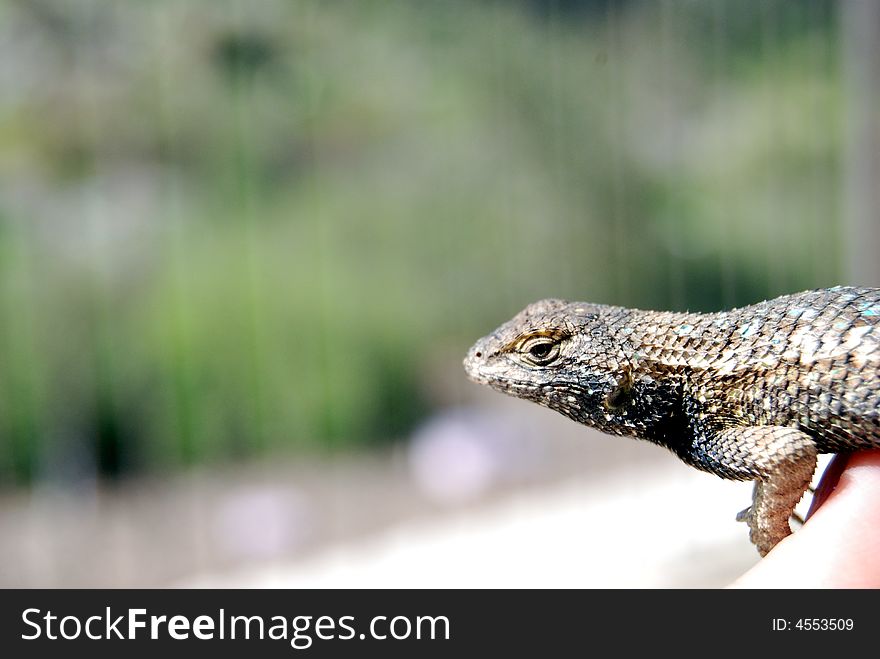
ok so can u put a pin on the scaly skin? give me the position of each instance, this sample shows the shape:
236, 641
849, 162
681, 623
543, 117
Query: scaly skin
749, 394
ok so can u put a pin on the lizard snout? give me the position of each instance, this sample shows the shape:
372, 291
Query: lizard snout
475, 361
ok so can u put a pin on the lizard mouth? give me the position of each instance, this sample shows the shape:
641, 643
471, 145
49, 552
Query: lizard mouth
482, 372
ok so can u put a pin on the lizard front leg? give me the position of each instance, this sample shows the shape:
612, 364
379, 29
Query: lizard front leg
781, 461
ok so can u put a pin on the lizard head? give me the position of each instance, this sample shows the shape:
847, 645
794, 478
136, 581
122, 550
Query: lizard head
555, 353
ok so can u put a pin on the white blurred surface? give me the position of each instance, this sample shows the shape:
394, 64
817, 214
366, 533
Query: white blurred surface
665, 527
508, 496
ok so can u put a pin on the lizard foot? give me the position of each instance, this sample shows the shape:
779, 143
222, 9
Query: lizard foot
781, 461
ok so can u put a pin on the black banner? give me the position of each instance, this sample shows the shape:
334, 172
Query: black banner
290, 623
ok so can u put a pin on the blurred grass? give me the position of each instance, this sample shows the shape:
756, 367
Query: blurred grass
228, 228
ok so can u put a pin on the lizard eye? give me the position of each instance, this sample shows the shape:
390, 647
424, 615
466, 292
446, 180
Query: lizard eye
540, 350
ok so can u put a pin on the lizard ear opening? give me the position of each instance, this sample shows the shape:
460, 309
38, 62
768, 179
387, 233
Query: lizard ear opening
621, 394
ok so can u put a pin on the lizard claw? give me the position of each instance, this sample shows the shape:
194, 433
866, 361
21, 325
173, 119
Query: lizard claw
744, 515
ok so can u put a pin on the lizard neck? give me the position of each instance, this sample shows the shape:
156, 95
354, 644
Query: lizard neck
648, 400
649, 408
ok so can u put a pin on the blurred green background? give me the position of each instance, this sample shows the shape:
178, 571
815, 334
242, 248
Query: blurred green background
233, 229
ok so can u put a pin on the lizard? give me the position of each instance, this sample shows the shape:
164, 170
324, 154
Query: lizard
752, 394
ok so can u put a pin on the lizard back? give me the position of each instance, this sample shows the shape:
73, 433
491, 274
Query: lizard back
809, 360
